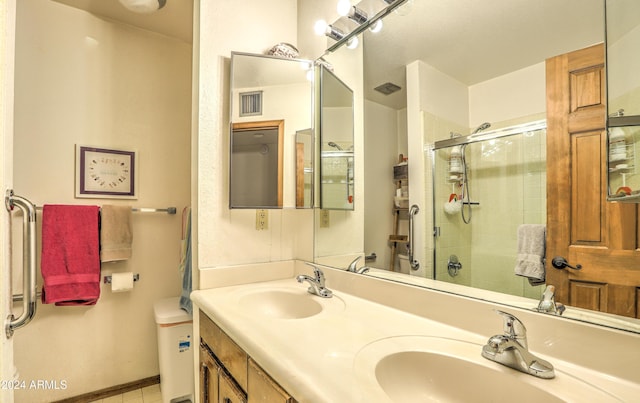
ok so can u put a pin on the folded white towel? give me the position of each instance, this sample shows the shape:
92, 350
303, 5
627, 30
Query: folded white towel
531, 252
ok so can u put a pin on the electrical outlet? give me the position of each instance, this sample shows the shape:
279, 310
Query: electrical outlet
262, 219
325, 222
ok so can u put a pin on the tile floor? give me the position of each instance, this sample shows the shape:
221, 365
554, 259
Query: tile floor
149, 394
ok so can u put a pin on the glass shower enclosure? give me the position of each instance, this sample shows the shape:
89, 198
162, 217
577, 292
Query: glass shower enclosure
485, 185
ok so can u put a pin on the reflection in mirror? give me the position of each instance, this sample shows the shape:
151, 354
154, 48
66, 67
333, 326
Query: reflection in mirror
256, 161
271, 100
336, 143
484, 189
623, 59
458, 65
304, 168
623, 97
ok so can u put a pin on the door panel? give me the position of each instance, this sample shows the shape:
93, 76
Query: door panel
581, 225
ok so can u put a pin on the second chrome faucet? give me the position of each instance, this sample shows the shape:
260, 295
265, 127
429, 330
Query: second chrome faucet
510, 349
316, 283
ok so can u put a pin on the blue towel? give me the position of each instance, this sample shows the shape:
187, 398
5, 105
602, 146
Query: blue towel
185, 300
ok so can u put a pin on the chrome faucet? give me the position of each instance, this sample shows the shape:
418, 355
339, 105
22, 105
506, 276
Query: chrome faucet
548, 302
510, 349
316, 286
354, 269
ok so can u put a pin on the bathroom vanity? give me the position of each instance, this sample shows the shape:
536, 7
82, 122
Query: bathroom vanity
228, 374
381, 341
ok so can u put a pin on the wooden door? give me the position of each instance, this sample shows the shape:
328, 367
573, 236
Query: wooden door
581, 225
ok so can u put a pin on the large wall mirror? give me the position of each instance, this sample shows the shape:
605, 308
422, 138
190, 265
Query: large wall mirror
271, 104
461, 68
623, 98
336, 142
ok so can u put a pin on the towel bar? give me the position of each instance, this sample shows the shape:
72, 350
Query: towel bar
168, 210
107, 279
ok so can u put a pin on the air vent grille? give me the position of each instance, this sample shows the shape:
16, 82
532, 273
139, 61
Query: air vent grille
387, 88
251, 103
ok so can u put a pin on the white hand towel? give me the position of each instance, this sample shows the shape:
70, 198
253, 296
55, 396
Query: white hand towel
531, 252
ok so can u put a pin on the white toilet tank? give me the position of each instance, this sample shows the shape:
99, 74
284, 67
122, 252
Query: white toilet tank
404, 264
175, 351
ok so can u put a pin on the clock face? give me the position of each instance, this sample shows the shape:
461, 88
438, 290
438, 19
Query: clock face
106, 172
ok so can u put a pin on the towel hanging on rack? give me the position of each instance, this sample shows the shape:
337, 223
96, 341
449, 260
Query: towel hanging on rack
116, 233
531, 253
185, 264
70, 261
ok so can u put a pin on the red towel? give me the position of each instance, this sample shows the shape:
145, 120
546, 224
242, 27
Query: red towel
70, 261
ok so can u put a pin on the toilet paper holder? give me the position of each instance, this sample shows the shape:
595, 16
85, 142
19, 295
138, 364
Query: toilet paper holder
107, 279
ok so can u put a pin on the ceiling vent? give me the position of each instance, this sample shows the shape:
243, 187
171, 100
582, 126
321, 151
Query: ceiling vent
251, 103
387, 88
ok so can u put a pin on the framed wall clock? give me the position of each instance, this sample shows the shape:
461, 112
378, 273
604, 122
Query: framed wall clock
106, 173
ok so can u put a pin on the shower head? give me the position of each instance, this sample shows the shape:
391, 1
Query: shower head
334, 145
483, 126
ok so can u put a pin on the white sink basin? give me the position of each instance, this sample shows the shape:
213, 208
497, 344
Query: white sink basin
434, 369
294, 303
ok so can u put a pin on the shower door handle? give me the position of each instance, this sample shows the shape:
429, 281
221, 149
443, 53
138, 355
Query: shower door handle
28, 261
415, 265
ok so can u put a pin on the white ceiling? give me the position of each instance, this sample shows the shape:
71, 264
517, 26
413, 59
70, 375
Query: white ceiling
476, 40
469, 40
175, 19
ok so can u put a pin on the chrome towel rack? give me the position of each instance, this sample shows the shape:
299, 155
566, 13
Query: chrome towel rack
168, 210
28, 261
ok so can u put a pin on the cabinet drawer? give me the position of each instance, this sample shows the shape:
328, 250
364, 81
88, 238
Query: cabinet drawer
226, 350
263, 389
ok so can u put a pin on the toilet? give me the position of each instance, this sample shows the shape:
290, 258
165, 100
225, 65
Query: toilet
404, 264
175, 351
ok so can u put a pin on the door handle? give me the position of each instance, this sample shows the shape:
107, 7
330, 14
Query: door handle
560, 263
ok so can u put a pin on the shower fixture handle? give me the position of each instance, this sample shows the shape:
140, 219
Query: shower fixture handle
560, 263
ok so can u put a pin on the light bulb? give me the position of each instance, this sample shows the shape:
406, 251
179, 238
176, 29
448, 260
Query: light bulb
344, 6
376, 27
352, 42
143, 6
320, 28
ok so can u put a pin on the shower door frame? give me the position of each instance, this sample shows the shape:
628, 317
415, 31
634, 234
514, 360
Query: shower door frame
470, 139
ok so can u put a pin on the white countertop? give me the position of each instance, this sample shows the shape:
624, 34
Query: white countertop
316, 358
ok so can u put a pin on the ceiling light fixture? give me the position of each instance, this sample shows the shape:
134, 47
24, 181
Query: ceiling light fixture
345, 9
143, 6
322, 28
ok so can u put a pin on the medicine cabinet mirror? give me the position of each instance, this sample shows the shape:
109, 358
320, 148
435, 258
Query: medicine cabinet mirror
336, 143
623, 98
271, 102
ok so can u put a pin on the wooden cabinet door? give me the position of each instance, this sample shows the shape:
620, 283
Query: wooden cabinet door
208, 377
263, 389
581, 225
229, 392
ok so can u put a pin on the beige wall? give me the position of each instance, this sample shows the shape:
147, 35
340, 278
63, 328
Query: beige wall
83, 80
